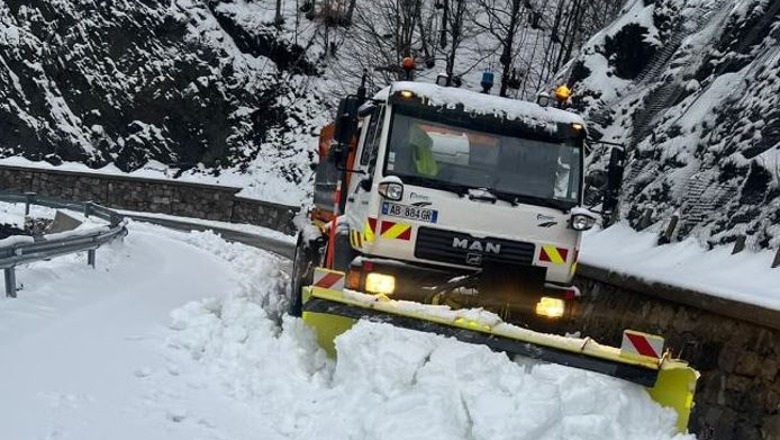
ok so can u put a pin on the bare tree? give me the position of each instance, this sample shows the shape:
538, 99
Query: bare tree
529, 40
457, 27
502, 19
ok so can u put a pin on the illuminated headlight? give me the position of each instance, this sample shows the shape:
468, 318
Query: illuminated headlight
582, 222
550, 307
392, 191
380, 283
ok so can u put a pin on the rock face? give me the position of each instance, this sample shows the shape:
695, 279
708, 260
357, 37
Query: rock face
144, 80
692, 89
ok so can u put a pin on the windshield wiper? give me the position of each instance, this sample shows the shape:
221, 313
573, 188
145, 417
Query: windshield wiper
539, 201
516, 199
482, 194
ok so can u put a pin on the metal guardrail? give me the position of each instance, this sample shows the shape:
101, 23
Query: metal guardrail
43, 249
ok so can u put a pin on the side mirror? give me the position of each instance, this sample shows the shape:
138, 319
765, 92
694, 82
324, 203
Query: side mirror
614, 179
313, 166
365, 184
346, 120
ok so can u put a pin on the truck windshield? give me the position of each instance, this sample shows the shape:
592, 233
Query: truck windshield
445, 154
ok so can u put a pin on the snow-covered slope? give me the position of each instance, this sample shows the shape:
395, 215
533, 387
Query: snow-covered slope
177, 353
691, 87
128, 82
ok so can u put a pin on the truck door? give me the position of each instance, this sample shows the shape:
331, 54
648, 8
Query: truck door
358, 198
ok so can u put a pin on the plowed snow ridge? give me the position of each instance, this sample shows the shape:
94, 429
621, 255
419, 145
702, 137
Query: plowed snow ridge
95, 354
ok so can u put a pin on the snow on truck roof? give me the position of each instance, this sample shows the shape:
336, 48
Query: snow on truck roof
484, 104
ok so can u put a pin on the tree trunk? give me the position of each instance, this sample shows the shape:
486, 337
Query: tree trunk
508, 43
456, 28
444, 19
278, 19
350, 11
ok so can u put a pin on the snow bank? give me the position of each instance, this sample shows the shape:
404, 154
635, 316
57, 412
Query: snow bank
744, 277
395, 383
86, 354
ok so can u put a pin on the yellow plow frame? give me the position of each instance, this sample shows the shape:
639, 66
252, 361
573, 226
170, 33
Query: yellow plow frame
669, 382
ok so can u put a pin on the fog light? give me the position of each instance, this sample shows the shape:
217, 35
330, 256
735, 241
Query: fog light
380, 283
550, 307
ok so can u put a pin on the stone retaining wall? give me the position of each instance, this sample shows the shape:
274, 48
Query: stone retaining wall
185, 199
738, 395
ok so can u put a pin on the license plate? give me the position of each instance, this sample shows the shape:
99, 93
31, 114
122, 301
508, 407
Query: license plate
410, 212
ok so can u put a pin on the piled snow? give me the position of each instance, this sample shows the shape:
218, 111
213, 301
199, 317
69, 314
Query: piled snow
745, 277
13, 213
92, 354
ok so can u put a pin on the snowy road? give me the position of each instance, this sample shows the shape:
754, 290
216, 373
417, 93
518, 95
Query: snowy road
181, 336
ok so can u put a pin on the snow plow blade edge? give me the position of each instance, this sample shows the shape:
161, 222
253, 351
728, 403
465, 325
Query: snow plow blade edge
670, 383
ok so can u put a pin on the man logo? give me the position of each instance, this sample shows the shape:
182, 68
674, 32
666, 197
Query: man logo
474, 259
476, 245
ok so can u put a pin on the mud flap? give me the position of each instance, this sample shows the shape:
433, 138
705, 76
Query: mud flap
671, 383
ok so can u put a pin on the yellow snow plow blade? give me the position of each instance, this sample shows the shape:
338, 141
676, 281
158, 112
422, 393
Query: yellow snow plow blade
670, 382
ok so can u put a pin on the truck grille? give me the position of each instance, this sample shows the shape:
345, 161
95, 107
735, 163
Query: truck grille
464, 249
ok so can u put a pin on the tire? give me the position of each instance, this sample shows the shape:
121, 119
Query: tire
302, 273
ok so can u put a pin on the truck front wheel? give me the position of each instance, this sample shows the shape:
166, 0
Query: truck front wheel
302, 275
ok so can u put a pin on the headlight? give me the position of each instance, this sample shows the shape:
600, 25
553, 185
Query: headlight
550, 307
380, 283
582, 222
391, 190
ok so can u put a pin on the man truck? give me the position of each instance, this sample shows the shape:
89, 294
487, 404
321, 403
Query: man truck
450, 211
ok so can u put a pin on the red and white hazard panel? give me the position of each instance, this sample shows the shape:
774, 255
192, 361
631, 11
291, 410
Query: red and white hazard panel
641, 344
395, 231
328, 279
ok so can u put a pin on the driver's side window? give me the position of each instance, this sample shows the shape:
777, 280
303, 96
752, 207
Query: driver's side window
373, 133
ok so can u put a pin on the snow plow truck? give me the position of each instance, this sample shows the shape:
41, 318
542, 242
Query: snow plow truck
460, 213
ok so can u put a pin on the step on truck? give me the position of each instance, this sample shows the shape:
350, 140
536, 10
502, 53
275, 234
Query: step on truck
460, 213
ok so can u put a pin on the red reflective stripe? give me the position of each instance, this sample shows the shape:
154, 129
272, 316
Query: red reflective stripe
386, 225
329, 280
406, 235
543, 255
642, 346
564, 253
372, 223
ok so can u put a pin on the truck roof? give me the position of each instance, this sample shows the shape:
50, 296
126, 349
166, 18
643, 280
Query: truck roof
483, 104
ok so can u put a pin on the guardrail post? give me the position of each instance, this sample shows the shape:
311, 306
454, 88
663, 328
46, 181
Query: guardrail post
88, 209
29, 197
91, 257
10, 282
776, 263
739, 245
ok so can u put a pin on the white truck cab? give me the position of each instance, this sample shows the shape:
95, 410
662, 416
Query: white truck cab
466, 195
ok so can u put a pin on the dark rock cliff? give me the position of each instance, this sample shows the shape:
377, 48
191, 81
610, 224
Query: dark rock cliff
127, 82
